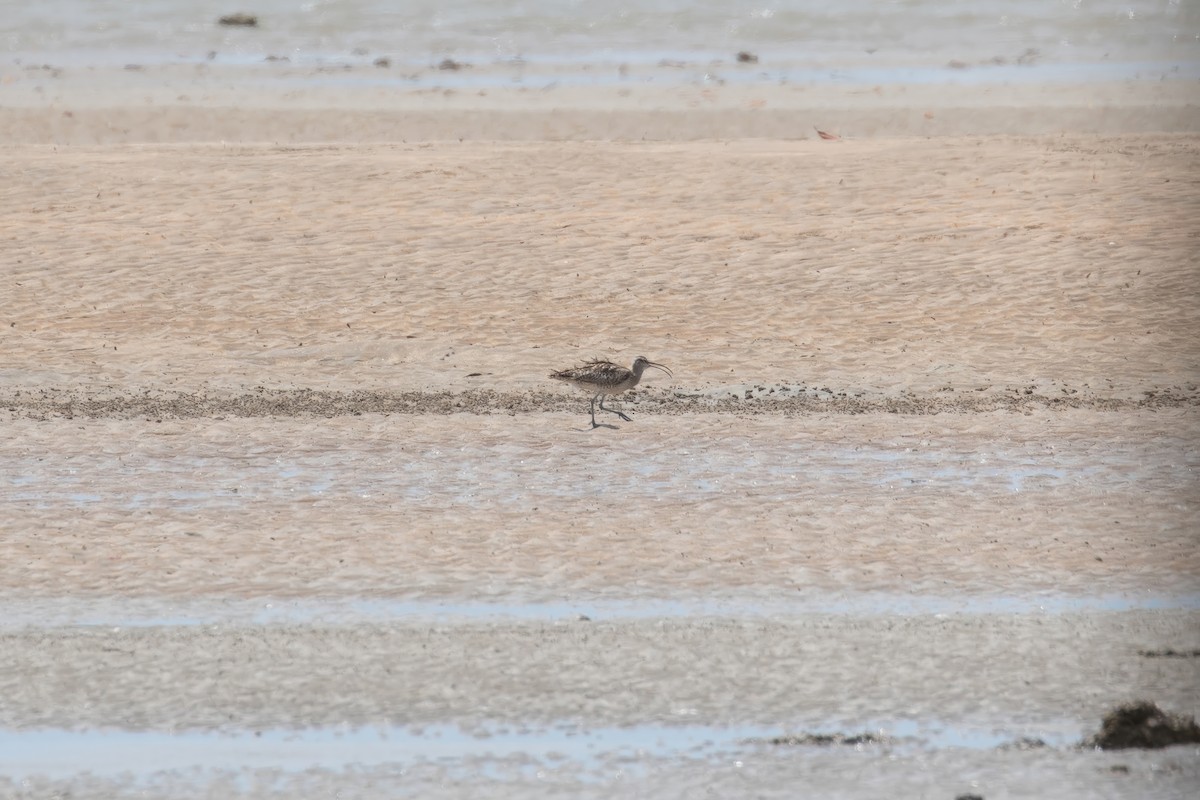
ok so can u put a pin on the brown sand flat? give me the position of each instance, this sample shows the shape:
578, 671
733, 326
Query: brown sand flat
919, 265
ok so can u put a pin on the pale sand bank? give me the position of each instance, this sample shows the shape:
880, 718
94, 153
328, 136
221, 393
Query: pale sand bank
806, 671
286, 104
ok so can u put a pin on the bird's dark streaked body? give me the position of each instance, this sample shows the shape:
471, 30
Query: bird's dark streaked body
604, 378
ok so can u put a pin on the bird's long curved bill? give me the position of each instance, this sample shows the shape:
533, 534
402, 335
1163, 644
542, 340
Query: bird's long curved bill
660, 366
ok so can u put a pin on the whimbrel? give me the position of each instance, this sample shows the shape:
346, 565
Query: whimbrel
603, 378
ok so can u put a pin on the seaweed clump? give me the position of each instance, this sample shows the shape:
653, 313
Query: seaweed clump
1142, 724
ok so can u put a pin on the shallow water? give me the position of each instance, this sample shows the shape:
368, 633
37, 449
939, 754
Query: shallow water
581, 750
790, 37
117, 613
146, 474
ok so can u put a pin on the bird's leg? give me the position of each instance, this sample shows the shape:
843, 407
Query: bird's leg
613, 410
592, 408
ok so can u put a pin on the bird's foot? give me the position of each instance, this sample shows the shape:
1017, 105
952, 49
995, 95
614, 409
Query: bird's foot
614, 411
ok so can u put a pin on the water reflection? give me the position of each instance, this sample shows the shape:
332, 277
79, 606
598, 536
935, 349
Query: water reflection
509, 474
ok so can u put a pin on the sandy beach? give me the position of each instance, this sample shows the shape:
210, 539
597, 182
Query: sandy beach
281, 455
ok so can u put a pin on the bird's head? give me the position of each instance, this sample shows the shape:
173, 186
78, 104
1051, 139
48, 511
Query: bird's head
641, 362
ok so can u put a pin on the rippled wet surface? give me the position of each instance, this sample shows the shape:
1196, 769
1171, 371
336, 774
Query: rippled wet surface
194, 473
275, 607
536, 508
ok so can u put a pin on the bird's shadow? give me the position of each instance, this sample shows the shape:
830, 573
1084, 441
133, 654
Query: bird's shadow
602, 425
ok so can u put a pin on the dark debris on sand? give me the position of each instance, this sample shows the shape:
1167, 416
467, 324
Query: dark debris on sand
1024, 744
120, 403
1142, 724
258, 402
822, 739
1169, 653
240, 19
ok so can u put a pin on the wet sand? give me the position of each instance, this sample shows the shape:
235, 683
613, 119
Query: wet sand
807, 671
918, 383
451, 697
538, 506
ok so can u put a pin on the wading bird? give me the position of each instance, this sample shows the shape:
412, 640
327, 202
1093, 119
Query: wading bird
603, 378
